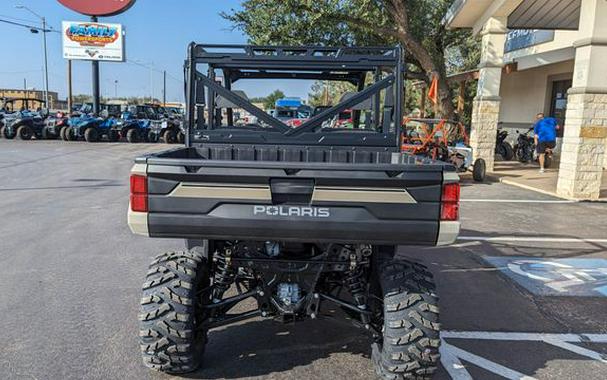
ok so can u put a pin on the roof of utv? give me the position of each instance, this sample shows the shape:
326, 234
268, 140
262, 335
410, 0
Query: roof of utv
306, 58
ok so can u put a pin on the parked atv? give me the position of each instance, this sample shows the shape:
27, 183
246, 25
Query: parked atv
133, 130
170, 130
53, 126
503, 147
24, 125
92, 129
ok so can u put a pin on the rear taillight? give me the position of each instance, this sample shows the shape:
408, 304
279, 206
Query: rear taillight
139, 193
450, 202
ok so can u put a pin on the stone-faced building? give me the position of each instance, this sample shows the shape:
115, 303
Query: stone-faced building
545, 56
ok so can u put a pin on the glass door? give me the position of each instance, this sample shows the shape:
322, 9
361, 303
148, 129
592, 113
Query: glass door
558, 103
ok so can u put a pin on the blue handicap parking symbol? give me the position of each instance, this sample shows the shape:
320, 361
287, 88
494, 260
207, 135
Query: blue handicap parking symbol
556, 277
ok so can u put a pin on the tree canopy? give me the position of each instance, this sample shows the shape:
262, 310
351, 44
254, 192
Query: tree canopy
270, 100
431, 49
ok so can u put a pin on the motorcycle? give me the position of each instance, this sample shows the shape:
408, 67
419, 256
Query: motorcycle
526, 150
503, 147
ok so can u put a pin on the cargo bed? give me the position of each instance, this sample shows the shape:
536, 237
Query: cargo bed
381, 199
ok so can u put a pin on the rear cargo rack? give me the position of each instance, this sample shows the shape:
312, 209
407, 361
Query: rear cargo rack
208, 99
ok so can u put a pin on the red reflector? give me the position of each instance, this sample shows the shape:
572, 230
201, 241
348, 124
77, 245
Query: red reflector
451, 192
449, 211
139, 202
139, 184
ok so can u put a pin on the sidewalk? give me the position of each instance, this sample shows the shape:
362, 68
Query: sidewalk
528, 176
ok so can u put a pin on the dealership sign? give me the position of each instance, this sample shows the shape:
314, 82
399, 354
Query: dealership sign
98, 7
93, 41
524, 38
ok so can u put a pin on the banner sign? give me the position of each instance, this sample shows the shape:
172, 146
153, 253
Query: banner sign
524, 38
93, 41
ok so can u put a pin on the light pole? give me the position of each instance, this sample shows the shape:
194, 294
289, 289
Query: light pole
116, 88
45, 51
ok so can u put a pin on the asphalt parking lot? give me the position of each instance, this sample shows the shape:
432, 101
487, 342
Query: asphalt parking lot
529, 267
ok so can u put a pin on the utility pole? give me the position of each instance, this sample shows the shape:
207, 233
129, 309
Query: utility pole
46, 99
164, 91
69, 86
152, 83
44, 30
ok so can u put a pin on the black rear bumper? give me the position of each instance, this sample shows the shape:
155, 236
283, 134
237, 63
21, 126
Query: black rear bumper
392, 232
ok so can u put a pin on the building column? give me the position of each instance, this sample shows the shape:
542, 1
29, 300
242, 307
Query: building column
583, 152
486, 106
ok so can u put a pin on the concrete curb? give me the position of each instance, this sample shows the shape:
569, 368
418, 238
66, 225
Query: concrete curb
507, 181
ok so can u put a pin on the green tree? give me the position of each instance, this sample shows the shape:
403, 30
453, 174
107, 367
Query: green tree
431, 49
328, 93
81, 98
271, 99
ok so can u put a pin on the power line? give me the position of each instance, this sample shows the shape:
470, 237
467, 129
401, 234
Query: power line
20, 72
30, 27
150, 67
20, 19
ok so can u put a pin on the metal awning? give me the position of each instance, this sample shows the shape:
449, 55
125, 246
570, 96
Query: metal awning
546, 14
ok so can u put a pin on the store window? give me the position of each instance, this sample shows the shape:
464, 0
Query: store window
558, 103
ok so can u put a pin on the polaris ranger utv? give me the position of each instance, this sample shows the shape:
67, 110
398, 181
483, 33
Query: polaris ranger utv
292, 219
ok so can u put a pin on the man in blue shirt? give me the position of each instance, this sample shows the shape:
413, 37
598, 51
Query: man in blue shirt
544, 130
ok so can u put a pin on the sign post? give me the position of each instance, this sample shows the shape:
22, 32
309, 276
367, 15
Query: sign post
96, 90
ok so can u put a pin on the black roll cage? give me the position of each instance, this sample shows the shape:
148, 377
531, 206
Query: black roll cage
345, 64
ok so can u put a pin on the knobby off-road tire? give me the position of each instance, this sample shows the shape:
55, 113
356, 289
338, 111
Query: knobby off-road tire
132, 136
479, 170
169, 137
113, 136
70, 134
62, 135
411, 333
91, 135
169, 312
24, 133
6, 134
153, 137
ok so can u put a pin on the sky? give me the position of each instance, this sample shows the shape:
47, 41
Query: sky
157, 35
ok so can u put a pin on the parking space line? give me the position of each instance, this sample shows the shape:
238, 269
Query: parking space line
452, 356
528, 239
576, 349
452, 364
560, 201
486, 364
517, 336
